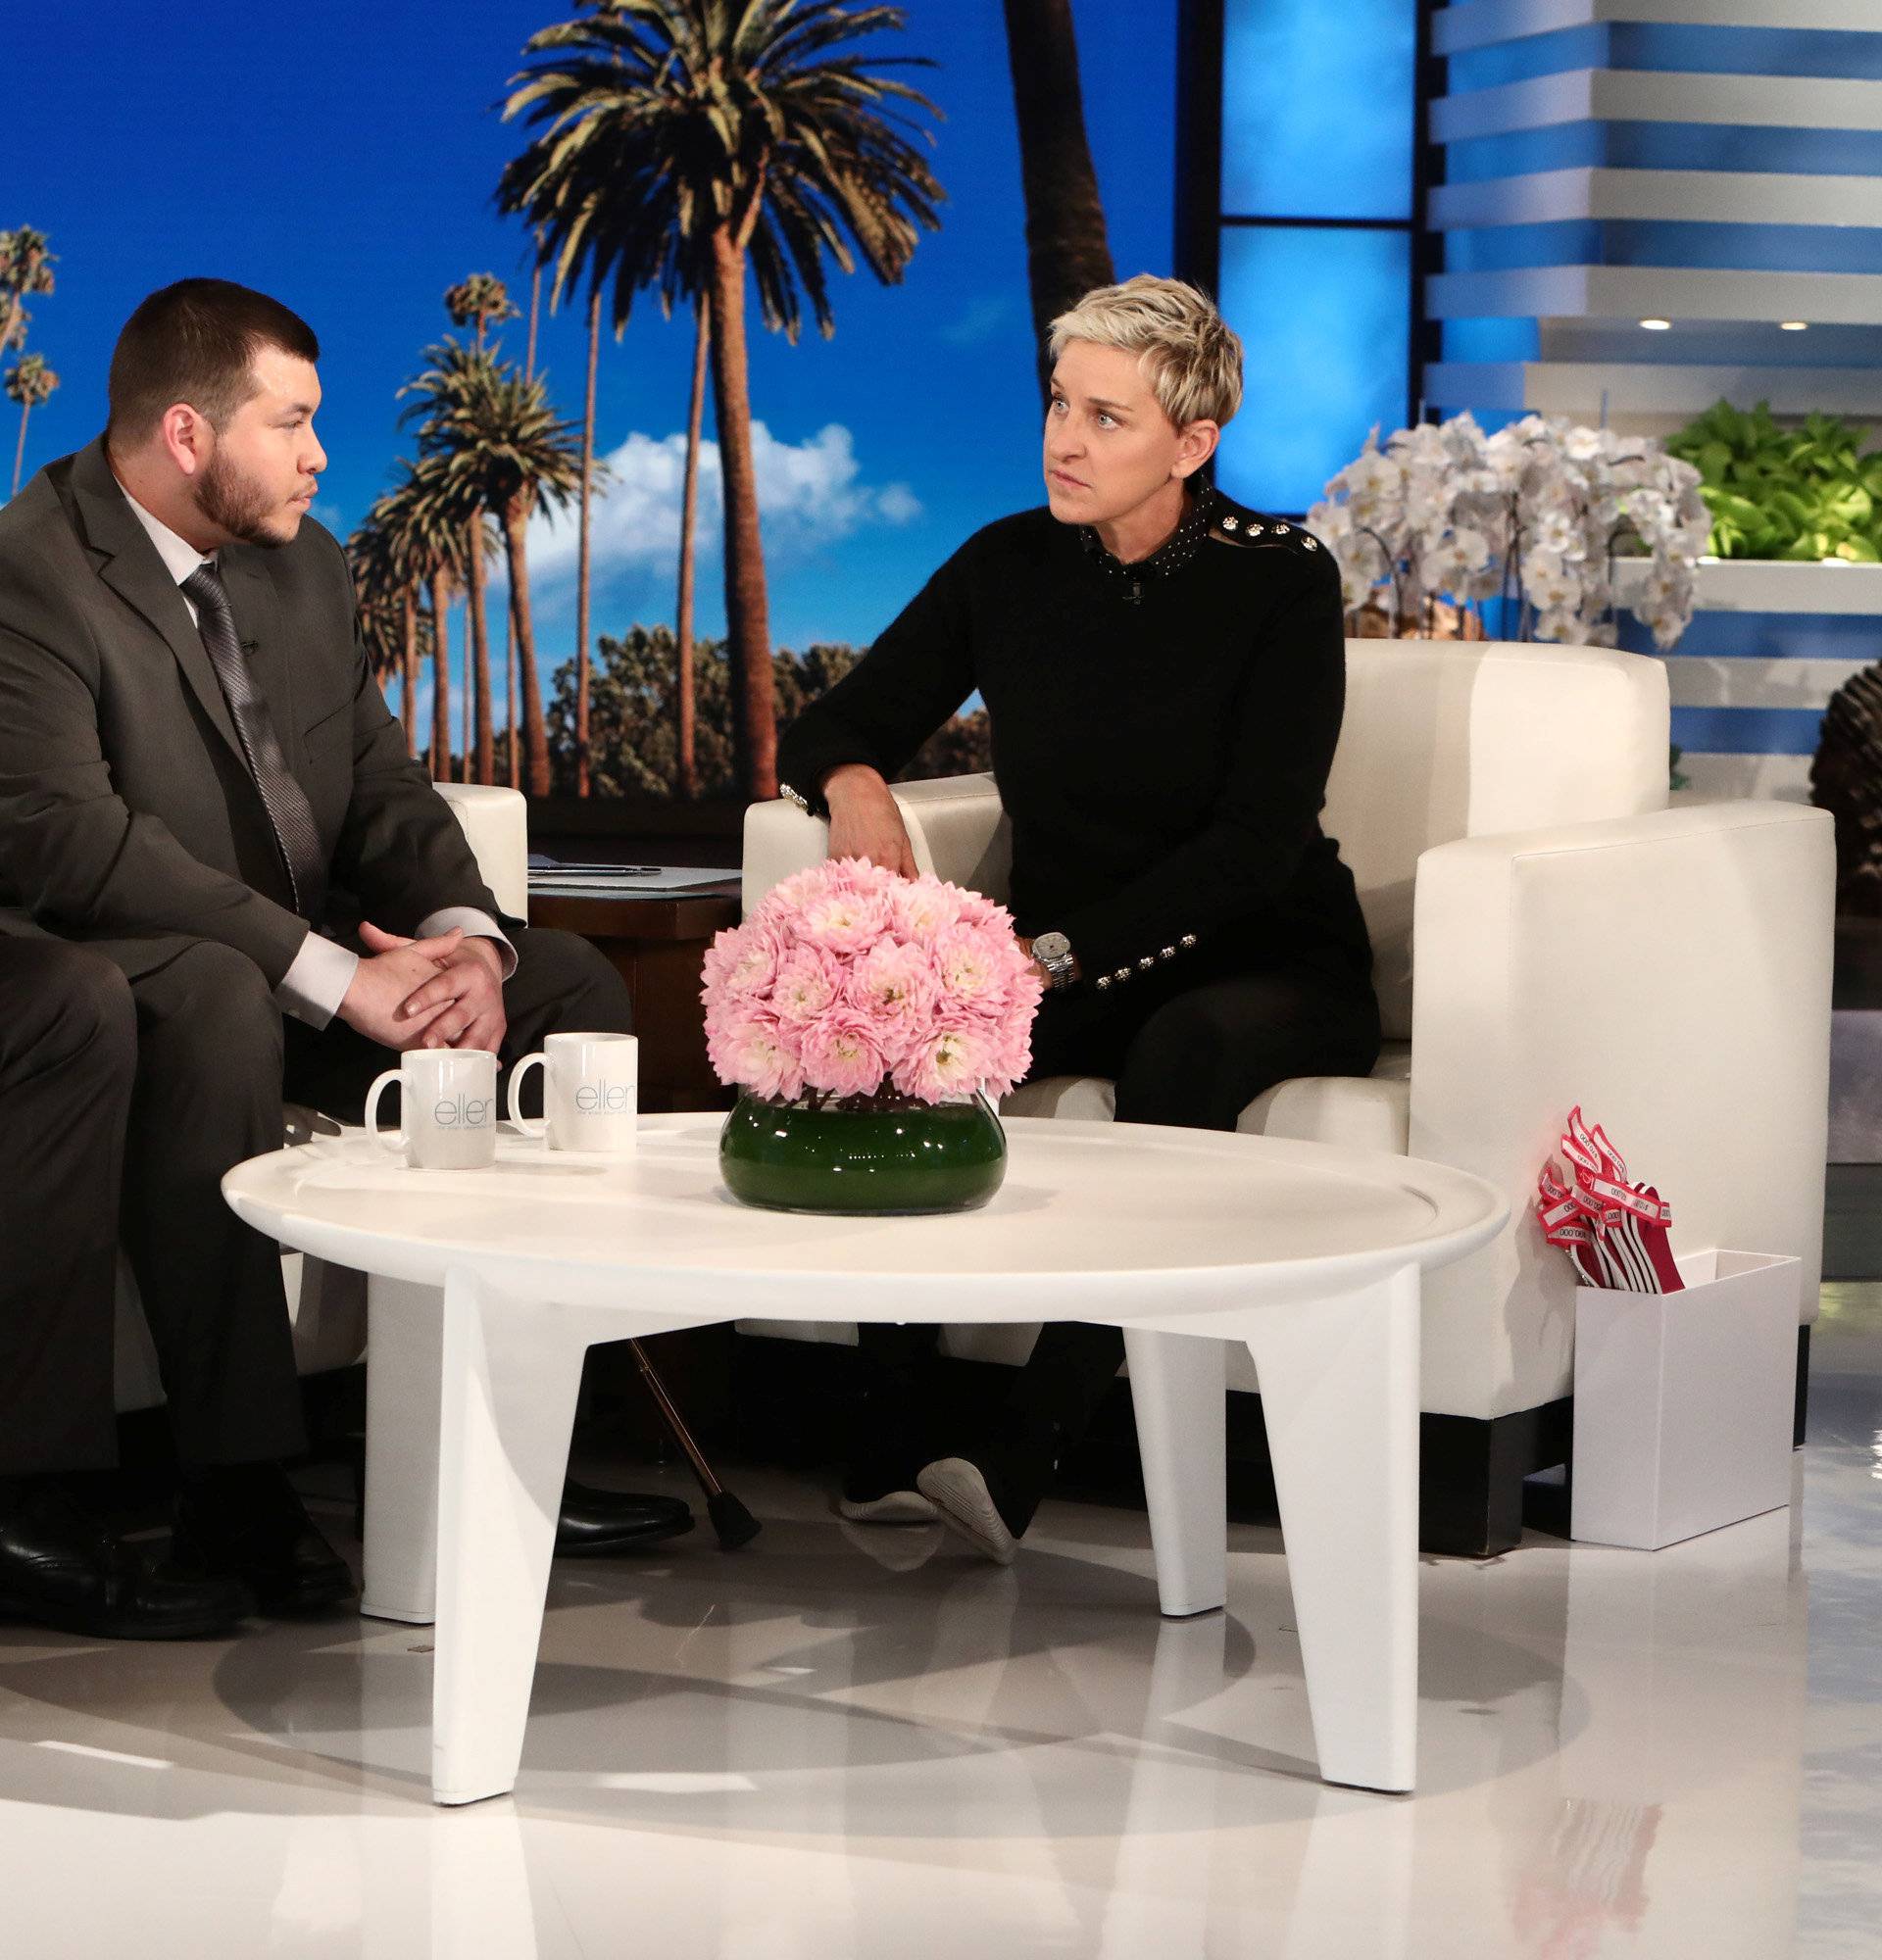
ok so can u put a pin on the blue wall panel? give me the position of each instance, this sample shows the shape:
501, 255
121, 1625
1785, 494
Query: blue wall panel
1533, 54
1325, 318
1747, 731
1769, 636
1737, 248
1492, 340
1666, 146
1292, 144
1675, 50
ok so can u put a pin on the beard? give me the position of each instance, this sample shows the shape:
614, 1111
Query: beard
237, 504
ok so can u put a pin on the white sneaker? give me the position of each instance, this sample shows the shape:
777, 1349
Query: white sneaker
958, 1492
893, 1551
892, 1507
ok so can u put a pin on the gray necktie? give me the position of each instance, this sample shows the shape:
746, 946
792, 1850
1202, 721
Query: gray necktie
281, 795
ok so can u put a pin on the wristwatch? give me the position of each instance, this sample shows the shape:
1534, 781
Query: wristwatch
1053, 951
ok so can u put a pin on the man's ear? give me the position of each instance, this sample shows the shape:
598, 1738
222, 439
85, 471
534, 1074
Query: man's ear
1195, 445
187, 437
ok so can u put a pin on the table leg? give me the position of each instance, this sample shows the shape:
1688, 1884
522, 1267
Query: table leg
1339, 1382
1179, 1391
405, 1330
510, 1370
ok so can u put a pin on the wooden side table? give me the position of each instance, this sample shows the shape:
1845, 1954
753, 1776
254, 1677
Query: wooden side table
656, 944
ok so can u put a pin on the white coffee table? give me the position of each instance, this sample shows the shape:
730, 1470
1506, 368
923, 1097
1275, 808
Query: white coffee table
489, 1286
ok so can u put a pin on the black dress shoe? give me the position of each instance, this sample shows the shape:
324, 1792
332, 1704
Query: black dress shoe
247, 1522
598, 1521
60, 1567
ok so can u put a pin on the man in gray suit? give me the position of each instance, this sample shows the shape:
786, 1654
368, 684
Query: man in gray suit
67, 1060
200, 781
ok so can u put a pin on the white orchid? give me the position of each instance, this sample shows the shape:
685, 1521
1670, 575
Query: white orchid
1549, 584
1438, 513
1558, 534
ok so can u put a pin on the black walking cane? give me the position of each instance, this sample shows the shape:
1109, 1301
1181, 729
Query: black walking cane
733, 1523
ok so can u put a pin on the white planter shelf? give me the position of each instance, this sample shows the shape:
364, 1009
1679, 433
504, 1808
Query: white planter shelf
1773, 585
1758, 677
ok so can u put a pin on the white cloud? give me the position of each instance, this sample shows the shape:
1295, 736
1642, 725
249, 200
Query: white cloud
982, 319
809, 494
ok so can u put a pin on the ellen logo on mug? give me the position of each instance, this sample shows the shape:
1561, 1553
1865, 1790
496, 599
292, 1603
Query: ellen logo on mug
449, 1100
590, 1092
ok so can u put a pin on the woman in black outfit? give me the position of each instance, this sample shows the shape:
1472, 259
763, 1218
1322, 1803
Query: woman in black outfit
1165, 674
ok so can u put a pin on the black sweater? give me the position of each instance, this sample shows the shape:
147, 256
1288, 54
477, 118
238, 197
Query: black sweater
1162, 734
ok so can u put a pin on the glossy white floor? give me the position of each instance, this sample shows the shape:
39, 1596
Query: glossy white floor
851, 1743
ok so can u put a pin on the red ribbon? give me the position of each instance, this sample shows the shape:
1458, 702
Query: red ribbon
1613, 1229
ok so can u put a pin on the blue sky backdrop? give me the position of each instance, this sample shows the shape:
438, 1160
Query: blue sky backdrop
342, 158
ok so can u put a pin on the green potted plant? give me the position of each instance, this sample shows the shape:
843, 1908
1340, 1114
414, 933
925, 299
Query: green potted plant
1798, 494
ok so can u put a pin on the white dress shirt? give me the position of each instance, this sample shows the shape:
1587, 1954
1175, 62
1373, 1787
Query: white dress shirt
320, 973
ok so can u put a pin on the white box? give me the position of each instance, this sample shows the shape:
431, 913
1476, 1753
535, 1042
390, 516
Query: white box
1684, 1402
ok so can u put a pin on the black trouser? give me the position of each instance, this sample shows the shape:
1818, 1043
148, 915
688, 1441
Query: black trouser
68, 1048
214, 1064
1182, 1051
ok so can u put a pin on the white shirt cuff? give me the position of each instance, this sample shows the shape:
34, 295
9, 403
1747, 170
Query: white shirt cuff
473, 924
316, 982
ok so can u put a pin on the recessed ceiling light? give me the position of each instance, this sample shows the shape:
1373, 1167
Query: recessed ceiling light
1792, 326
1657, 326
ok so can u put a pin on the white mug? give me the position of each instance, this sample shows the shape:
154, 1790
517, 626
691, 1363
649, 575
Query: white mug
449, 1097
590, 1092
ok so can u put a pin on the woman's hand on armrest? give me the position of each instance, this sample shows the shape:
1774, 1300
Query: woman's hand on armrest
865, 820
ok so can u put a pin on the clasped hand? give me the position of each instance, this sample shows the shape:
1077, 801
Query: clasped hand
445, 991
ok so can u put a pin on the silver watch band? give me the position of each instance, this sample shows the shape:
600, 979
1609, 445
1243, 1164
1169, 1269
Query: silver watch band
1061, 964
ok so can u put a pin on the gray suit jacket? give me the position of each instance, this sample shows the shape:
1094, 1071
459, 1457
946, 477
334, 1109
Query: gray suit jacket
128, 817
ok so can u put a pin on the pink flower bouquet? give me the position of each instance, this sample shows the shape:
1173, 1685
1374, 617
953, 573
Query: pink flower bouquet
852, 986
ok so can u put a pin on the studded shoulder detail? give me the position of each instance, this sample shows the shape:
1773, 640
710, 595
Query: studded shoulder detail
1256, 530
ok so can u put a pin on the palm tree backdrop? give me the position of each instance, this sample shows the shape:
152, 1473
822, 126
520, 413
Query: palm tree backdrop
476, 301
686, 713
513, 774
30, 383
633, 724
535, 318
1067, 249
685, 142
26, 269
390, 571
433, 522
401, 520
498, 446
380, 613
450, 378
584, 551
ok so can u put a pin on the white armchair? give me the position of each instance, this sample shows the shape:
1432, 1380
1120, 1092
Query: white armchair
1546, 930
327, 1303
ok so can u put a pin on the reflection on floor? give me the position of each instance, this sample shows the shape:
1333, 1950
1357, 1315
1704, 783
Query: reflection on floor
846, 1741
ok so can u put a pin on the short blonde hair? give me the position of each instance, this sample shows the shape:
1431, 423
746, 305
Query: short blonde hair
1191, 359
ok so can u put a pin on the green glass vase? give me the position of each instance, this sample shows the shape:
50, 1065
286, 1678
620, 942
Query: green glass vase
869, 1158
